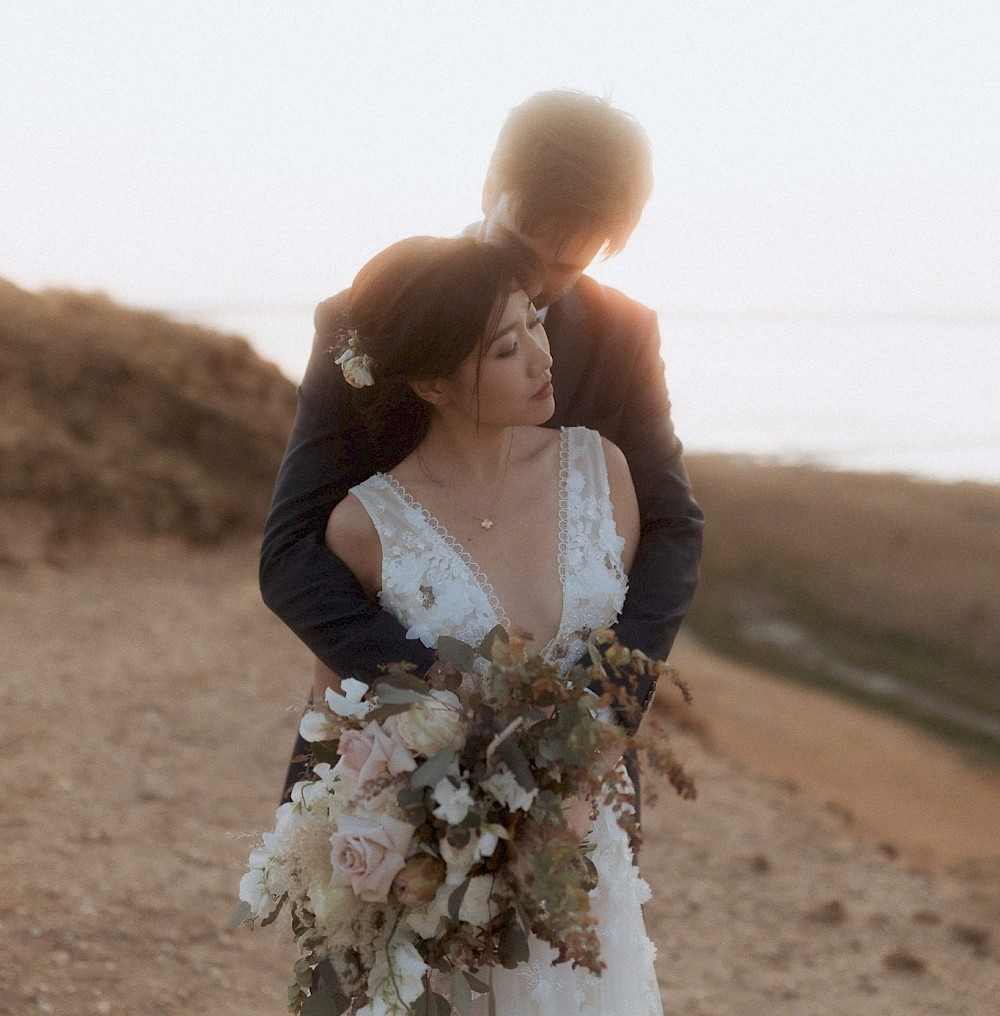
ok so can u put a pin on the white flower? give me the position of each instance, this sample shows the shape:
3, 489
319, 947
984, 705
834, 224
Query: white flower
480, 844
426, 920
453, 802
504, 787
396, 980
315, 725
349, 703
478, 907
487, 839
308, 793
255, 891
424, 632
431, 724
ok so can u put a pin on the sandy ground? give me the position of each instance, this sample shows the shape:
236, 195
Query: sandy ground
834, 862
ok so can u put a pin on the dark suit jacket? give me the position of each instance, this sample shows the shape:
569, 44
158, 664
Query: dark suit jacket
607, 374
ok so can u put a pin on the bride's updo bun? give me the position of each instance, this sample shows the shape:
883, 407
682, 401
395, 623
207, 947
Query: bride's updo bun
419, 309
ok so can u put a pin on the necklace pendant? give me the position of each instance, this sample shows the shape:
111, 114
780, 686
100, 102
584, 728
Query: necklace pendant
487, 524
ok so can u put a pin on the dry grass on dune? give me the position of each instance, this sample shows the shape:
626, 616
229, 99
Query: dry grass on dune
888, 573
121, 420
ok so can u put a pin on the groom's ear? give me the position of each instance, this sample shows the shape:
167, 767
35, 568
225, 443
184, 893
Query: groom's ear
435, 391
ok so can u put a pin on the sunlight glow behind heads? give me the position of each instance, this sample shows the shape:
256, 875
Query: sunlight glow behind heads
805, 155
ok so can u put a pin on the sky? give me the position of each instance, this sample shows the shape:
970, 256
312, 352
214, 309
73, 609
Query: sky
837, 155
821, 244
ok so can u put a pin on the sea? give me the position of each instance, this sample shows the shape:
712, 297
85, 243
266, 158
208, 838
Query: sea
913, 394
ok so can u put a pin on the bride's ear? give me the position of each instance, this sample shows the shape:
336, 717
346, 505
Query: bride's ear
436, 391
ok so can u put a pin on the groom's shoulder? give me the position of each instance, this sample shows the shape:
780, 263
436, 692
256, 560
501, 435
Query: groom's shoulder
608, 311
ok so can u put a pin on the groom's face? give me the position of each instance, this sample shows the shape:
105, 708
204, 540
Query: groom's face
562, 263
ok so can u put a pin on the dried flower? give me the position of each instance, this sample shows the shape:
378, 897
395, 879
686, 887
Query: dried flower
418, 880
356, 364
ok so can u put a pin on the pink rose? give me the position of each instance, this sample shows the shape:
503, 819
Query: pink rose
367, 854
374, 752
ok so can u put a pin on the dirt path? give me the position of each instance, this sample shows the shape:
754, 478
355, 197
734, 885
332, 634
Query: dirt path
146, 712
903, 788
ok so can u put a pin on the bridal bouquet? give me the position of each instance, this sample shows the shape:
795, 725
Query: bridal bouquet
432, 838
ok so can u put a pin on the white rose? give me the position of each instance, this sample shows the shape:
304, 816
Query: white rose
432, 724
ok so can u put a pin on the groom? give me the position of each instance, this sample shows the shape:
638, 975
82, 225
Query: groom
569, 178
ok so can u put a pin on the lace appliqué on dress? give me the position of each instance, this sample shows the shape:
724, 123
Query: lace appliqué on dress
434, 587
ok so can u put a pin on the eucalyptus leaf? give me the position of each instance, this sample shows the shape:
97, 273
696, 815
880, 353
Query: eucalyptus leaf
434, 769
517, 763
513, 946
410, 797
323, 1003
388, 695
455, 900
380, 713
523, 916
456, 652
487, 646
328, 984
408, 682
324, 751
478, 986
273, 916
430, 1003
461, 993
239, 914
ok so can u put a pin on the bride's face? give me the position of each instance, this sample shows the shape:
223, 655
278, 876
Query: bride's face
514, 375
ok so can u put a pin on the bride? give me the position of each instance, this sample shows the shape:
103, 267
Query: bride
490, 519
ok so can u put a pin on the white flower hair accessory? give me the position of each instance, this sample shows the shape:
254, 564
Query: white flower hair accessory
356, 364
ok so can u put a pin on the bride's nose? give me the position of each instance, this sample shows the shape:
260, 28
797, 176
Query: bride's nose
542, 360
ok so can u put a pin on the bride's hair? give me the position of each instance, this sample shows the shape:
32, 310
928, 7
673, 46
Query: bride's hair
419, 309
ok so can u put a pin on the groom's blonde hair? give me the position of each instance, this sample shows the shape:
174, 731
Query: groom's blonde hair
573, 165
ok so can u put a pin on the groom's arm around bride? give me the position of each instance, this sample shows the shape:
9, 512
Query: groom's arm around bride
569, 178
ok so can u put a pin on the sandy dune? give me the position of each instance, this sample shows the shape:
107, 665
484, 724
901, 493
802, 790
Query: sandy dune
148, 705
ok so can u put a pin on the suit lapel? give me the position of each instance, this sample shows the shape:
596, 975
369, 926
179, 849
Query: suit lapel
571, 335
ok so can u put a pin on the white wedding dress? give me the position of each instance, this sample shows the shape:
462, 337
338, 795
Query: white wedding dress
435, 588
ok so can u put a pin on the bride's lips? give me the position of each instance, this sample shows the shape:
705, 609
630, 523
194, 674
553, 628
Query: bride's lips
544, 392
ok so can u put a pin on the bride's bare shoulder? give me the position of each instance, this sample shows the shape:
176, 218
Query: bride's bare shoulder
538, 441
352, 536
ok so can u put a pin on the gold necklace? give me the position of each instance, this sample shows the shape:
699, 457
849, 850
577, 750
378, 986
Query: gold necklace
486, 522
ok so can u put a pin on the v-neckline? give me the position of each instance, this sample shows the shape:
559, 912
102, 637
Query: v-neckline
479, 576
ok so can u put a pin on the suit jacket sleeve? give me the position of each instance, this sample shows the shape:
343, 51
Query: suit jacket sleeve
665, 572
609, 356
305, 584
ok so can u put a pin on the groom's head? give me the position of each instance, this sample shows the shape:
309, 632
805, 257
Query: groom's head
569, 177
